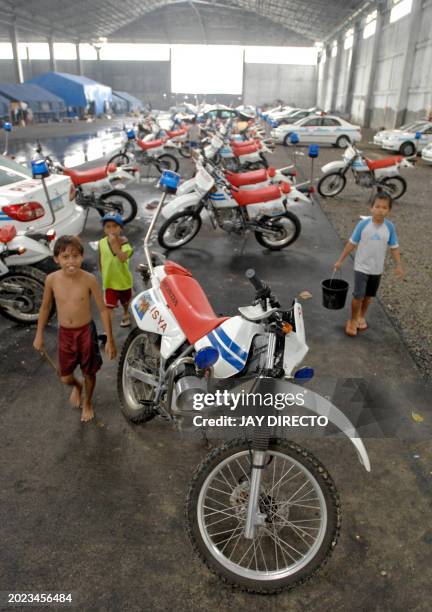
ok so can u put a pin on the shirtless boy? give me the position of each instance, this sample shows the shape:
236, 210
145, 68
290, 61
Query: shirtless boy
72, 289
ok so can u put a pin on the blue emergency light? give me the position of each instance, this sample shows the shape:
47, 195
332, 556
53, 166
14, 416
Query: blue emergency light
418, 135
39, 168
130, 134
313, 150
304, 374
294, 138
169, 181
7, 126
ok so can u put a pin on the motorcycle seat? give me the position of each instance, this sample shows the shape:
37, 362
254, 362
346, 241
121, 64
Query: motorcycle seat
7, 233
175, 133
238, 179
242, 143
254, 196
377, 164
244, 150
79, 177
189, 305
152, 144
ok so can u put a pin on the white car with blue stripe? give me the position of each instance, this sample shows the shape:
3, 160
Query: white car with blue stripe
320, 129
410, 142
412, 126
23, 202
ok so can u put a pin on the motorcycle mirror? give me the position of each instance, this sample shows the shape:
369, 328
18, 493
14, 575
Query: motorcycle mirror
206, 357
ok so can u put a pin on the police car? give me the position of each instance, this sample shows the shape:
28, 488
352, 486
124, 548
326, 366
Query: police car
408, 127
327, 129
408, 142
427, 153
23, 202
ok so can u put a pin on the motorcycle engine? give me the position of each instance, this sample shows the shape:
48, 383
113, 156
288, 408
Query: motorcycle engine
364, 179
229, 219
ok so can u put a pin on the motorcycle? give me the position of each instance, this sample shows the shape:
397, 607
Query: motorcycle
22, 286
150, 155
381, 174
253, 525
263, 211
96, 188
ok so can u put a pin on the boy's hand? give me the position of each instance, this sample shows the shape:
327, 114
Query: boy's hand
337, 266
110, 349
399, 271
38, 344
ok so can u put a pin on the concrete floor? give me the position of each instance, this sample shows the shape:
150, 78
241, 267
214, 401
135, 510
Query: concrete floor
98, 509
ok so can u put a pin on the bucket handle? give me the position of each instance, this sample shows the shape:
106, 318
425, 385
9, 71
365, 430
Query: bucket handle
333, 275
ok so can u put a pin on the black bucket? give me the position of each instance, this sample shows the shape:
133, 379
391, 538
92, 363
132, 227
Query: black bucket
334, 293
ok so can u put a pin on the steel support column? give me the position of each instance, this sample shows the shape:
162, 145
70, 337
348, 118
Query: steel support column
16, 58
405, 81
79, 66
369, 99
352, 68
337, 67
52, 61
325, 76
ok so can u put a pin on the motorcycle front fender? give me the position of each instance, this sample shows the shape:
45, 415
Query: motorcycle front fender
186, 187
323, 407
180, 203
333, 166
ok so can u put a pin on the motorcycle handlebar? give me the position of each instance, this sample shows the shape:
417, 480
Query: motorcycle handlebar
256, 282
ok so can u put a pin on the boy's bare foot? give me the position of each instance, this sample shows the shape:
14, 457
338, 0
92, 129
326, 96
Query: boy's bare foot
87, 413
361, 324
351, 328
75, 396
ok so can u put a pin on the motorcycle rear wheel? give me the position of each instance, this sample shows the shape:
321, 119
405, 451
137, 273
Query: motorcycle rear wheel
26, 309
331, 184
288, 230
120, 159
302, 524
179, 229
395, 186
166, 162
121, 202
140, 353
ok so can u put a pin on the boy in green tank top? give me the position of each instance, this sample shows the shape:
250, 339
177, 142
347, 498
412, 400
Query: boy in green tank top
114, 254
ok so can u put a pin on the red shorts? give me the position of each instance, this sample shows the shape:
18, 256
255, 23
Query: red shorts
114, 296
79, 346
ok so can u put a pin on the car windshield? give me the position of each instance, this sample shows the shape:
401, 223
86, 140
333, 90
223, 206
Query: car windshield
413, 125
12, 172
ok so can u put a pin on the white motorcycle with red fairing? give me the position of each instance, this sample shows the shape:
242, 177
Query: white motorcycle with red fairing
251, 523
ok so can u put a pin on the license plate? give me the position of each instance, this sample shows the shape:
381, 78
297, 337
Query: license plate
57, 203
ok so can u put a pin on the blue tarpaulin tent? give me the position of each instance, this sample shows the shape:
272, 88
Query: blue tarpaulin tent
133, 104
119, 105
44, 104
78, 92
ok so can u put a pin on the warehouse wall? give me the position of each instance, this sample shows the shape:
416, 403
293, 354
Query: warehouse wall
149, 81
393, 49
267, 82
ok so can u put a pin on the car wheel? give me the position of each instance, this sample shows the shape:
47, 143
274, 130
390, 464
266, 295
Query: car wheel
343, 141
407, 149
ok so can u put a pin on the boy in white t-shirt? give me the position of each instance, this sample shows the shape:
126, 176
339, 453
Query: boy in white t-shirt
371, 236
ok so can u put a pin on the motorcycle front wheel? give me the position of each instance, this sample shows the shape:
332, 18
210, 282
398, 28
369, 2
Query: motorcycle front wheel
331, 184
186, 151
179, 229
118, 201
138, 376
121, 159
301, 508
395, 186
24, 308
284, 231
166, 162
